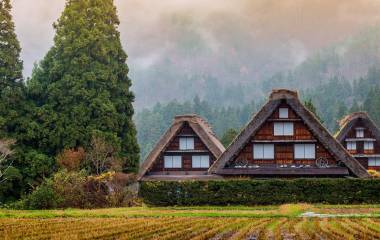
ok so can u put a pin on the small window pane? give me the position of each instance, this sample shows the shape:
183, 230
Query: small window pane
284, 113
182, 144
186, 143
310, 151
268, 151
288, 129
351, 145
374, 162
201, 161
177, 162
196, 161
278, 129
258, 151
190, 143
368, 145
168, 162
205, 161
359, 133
304, 151
299, 151
263, 151
283, 129
172, 161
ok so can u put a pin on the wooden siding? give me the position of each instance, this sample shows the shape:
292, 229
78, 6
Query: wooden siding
284, 150
173, 149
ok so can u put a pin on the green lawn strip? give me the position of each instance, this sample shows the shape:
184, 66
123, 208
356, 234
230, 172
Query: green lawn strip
287, 211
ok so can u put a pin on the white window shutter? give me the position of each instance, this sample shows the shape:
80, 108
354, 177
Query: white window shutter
258, 151
190, 143
205, 161
182, 144
373, 162
278, 129
299, 151
284, 113
268, 151
168, 161
288, 129
177, 162
310, 151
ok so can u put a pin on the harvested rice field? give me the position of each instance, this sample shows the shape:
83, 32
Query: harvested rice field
292, 221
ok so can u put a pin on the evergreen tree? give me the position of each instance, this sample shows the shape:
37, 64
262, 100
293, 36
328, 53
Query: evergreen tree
310, 106
229, 136
372, 104
355, 107
11, 85
81, 87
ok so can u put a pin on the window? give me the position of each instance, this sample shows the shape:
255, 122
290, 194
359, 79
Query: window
201, 161
263, 151
359, 132
173, 162
283, 129
284, 113
374, 162
304, 151
186, 143
351, 145
368, 145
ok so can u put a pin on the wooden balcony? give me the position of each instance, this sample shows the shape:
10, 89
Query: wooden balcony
288, 171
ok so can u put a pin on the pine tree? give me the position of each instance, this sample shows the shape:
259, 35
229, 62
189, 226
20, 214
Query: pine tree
11, 84
81, 87
310, 106
229, 136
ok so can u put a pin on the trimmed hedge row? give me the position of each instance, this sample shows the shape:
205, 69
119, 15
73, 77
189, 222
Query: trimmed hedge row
260, 192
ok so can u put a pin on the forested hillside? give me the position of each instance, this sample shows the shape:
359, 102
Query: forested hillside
338, 79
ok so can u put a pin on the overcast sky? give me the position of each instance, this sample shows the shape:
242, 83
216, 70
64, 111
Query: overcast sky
304, 25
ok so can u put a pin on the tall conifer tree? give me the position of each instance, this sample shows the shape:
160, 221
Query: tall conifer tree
81, 87
11, 66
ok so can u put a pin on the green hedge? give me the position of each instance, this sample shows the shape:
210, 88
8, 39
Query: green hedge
260, 192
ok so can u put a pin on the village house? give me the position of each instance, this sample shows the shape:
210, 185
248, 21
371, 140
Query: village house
361, 137
283, 139
186, 151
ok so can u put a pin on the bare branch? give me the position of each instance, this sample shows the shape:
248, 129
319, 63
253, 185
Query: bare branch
5, 153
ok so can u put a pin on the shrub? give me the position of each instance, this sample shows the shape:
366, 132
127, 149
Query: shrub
260, 192
374, 173
43, 197
70, 186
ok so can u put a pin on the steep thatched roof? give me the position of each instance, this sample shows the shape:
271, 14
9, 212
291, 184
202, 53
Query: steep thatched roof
318, 130
349, 121
199, 126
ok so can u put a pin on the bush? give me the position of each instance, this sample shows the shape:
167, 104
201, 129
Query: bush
260, 192
43, 197
69, 185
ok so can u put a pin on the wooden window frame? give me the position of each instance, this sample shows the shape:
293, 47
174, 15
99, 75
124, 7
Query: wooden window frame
281, 125
186, 147
201, 159
285, 111
304, 151
263, 145
172, 161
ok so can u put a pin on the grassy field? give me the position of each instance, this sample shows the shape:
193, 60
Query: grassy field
291, 221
